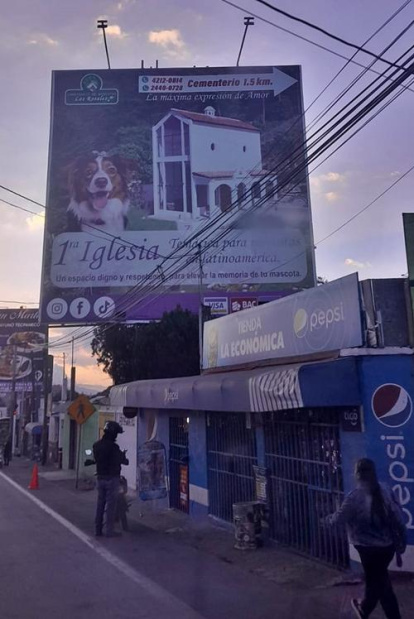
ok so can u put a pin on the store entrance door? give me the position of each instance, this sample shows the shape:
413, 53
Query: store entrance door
231, 448
303, 456
178, 461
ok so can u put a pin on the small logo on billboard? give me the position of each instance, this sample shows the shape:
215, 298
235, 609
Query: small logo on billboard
56, 309
91, 92
392, 405
242, 303
104, 307
79, 308
219, 305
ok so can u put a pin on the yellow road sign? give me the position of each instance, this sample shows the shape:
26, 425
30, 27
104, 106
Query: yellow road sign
81, 409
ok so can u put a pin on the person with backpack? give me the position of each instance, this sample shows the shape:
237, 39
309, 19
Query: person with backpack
375, 526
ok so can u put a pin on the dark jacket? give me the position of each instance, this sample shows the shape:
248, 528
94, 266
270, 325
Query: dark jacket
108, 457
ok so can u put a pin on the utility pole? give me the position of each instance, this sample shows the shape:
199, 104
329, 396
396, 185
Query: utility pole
12, 399
103, 25
72, 373
248, 21
46, 386
201, 306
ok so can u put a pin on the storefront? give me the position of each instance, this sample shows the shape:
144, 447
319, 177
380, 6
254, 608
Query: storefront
304, 424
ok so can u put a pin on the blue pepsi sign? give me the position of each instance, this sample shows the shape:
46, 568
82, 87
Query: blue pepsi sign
389, 425
321, 319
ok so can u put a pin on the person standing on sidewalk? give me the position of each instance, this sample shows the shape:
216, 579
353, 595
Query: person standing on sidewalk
376, 528
108, 458
7, 451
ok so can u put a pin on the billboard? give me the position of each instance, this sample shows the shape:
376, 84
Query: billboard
150, 169
408, 222
321, 319
22, 343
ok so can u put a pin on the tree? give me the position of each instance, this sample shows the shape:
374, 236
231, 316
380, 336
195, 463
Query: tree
164, 349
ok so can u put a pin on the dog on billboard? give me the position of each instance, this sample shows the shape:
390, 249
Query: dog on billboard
99, 193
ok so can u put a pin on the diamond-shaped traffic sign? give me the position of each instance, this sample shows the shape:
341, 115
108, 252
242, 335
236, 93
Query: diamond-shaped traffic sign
81, 409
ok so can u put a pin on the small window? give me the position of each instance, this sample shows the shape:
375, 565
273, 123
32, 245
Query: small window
212, 146
244, 149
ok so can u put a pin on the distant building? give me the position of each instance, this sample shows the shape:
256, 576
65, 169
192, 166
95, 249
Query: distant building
204, 163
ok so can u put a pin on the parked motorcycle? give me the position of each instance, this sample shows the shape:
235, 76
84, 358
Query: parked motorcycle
123, 504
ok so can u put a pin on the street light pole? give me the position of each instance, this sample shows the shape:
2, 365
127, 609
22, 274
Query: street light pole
248, 21
103, 25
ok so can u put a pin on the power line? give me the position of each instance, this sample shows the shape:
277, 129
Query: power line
326, 33
191, 259
302, 38
20, 302
21, 208
320, 150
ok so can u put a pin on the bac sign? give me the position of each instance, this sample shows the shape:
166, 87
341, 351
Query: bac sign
242, 303
81, 409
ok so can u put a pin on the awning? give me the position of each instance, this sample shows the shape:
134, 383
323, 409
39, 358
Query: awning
333, 383
33, 428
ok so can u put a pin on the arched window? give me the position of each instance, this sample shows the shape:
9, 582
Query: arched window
244, 148
256, 192
241, 194
269, 189
223, 197
212, 146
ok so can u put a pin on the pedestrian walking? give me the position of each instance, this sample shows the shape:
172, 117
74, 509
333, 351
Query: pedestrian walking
7, 451
109, 459
375, 526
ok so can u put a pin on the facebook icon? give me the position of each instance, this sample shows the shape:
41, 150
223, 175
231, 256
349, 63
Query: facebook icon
80, 308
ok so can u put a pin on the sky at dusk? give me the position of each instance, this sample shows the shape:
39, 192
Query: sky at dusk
39, 36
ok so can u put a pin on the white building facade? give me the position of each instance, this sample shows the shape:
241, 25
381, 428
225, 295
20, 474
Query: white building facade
204, 164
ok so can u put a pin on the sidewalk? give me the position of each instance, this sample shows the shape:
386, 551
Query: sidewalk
197, 562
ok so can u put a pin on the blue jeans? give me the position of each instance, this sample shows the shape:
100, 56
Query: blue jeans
108, 490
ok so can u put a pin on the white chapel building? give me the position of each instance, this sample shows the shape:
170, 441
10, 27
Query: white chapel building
203, 164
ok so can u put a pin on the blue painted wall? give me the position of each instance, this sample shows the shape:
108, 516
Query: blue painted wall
389, 422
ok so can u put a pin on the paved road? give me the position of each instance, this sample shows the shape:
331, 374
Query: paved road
50, 567
49, 570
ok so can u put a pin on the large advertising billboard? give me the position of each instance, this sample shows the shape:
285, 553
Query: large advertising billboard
22, 345
162, 180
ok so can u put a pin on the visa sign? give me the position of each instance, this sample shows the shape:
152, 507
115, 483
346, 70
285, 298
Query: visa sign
219, 305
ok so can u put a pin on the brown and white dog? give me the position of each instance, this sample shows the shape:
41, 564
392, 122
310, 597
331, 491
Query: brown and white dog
99, 193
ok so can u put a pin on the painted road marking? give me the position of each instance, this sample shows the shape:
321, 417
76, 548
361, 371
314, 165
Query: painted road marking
148, 585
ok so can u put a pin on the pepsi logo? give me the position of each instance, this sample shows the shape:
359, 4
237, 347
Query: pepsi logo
300, 323
392, 405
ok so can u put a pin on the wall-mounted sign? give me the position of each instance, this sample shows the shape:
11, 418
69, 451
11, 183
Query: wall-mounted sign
152, 471
321, 319
352, 419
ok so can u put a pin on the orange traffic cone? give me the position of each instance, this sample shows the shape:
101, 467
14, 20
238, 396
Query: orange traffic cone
34, 482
